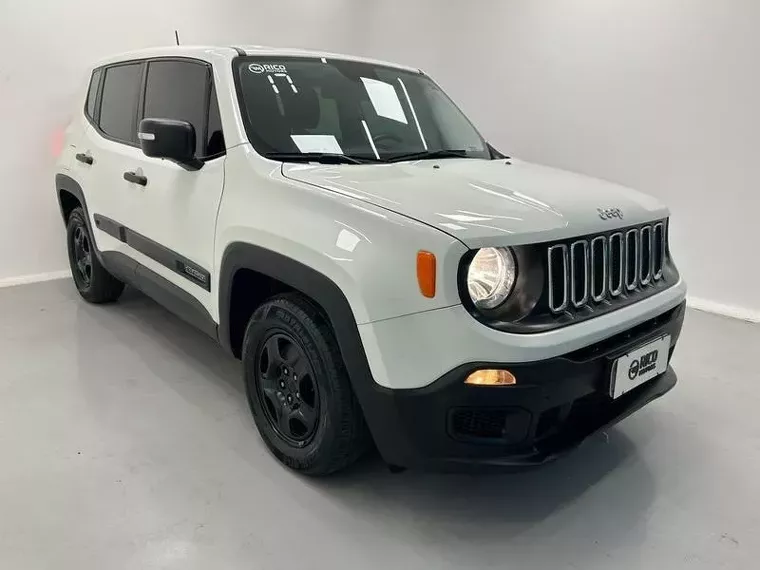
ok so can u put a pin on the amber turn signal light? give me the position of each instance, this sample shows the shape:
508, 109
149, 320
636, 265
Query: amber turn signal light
491, 378
426, 273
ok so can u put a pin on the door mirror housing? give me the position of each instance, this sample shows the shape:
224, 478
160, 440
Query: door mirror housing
169, 139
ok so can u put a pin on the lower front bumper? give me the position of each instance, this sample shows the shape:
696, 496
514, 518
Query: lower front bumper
556, 404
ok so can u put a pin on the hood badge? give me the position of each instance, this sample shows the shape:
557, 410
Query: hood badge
609, 213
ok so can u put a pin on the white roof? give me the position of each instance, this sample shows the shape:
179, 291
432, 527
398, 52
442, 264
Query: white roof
228, 52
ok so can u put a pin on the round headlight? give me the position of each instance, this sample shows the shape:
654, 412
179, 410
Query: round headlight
491, 277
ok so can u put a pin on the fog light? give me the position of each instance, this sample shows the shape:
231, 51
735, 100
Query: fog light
491, 378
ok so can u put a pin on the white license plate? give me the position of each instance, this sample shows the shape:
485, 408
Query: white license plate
638, 366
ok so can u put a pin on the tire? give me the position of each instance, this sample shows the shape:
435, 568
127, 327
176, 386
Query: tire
93, 282
291, 326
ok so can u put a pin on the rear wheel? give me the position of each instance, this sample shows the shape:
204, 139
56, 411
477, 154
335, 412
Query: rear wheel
92, 280
298, 388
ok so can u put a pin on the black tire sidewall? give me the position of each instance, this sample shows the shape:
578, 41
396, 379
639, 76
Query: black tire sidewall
103, 287
267, 320
76, 220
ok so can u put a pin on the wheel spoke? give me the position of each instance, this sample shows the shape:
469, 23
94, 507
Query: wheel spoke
270, 383
306, 415
285, 414
287, 388
273, 352
270, 392
300, 368
297, 361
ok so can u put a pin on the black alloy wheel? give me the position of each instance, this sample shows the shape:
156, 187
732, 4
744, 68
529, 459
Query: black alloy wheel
82, 254
288, 391
94, 283
298, 388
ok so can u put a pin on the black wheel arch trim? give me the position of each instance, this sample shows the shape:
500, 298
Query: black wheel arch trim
68, 184
65, 183
337, 310
321, 289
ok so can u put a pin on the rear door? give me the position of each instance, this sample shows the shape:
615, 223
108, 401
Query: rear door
172, 217
107, 148
74, 158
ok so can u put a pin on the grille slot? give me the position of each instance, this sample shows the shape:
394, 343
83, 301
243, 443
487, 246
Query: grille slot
599, 264
597, 269
631, 259
617, 257
645, 259
579, 273
558, 273
658, 250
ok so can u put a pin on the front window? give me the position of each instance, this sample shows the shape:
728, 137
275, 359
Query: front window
295, 106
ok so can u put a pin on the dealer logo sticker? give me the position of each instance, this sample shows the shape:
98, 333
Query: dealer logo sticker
267, 68
643, 365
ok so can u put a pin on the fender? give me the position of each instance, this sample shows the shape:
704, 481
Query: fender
64, 182
321, 289
328, 295
67, 183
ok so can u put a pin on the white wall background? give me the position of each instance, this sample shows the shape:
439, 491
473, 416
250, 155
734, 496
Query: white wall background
661, 95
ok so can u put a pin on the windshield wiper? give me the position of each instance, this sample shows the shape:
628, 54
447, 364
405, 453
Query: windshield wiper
321, 157
429, 155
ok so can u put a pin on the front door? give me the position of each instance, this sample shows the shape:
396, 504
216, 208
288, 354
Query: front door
172, 215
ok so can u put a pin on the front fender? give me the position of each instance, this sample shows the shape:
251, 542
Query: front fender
337, 310
368, 252
318, 287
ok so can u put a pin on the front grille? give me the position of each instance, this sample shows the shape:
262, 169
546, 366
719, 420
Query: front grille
598, 269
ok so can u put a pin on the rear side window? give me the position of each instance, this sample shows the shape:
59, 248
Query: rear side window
118, 107
178, 90
92, 94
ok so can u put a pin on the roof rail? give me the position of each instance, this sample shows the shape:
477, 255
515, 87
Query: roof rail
239, 51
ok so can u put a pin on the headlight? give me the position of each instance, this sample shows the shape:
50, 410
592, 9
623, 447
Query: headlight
491, 277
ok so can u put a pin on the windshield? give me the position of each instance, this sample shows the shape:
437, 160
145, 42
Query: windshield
296, 105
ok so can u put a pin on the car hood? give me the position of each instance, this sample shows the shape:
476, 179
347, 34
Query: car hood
487, 202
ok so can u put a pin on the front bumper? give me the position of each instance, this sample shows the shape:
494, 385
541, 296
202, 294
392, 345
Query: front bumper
556, 404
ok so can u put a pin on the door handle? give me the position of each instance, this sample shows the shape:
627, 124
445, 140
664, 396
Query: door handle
136, 178
86, 158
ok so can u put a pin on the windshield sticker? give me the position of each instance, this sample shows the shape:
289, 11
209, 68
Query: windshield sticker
317, 143
267, 68
384, 99
276, 72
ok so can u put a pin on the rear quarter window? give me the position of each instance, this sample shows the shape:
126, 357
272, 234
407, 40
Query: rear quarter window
92, 94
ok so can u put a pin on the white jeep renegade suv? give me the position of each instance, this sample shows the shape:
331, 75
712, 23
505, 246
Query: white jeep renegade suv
384, 274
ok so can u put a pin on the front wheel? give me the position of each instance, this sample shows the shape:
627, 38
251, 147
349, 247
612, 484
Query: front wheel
93, 281
298, 388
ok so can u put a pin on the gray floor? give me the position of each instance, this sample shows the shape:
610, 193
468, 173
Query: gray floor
125, 442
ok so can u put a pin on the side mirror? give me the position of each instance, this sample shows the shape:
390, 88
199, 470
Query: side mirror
170, 139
